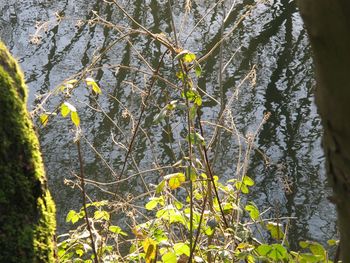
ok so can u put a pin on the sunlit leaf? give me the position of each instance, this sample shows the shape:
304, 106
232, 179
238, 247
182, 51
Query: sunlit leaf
73, 217
175, 180
75, 118
117, 230
70, 215
248, 181
151, 205
242, 187
79, 252
189, 57
150, 247
65, 109
91, 82
169, 257
198, 100
101, 215
182, 248
178, 204
96, 88
263, 249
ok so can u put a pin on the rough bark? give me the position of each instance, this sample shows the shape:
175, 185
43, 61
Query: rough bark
27, 212
328, 25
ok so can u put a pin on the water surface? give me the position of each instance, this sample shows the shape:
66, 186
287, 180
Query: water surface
271, 39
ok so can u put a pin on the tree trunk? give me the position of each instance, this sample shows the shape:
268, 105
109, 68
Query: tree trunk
328, 25
27, 212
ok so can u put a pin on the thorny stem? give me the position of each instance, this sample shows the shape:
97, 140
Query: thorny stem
82, 176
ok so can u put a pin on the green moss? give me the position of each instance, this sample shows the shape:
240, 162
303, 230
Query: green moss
27, 212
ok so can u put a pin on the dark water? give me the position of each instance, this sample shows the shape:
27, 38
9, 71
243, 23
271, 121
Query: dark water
272, 38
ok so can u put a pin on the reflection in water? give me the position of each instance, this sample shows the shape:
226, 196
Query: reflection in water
271, 37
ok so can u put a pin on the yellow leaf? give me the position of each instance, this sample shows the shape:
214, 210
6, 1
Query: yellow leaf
44, 118
189, 57
64, 109
96, 88
91, 82
150, 248
175, 180
75, 118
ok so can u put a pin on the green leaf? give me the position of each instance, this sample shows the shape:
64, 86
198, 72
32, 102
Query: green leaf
275, 251
169, 257
151, 205
248, 181
278, 252
73, 217
182, 248
198, 70
178, 204
308, 258
101, 215
160, 187
253, 211
317, 249
332, 242
117, 230
191, 173
303, 244
175, 180
79, 252
75, 118
275, 229
160, 235
192, 112
263, 249
242, 187
44, 118
70, 215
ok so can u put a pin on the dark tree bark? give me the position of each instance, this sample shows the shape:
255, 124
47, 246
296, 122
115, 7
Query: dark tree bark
27, 212
328, 25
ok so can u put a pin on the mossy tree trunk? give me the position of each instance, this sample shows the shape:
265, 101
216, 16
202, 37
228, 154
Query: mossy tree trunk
328, 25
27, 212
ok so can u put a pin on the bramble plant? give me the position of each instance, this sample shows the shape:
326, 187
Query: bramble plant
191, 214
